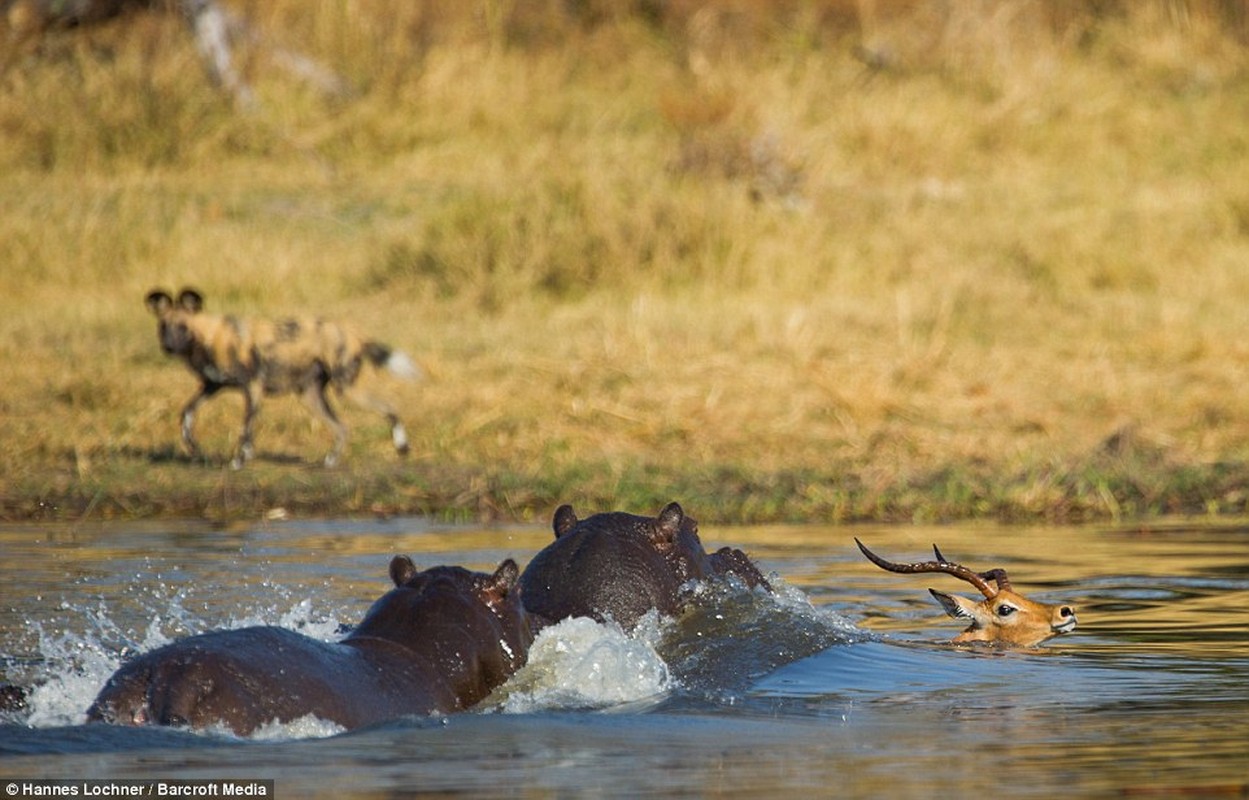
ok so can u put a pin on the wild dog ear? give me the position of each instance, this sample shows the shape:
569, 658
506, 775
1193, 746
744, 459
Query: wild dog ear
191, 300
564, 521
955, 606
402, 570
158, 301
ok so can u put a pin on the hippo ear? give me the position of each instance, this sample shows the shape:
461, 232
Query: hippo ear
158, 301
501, 583
670, 522
402, 570
565, 520
507, 575
191, 300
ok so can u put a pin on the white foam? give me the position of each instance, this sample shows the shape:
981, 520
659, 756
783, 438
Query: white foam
784, 598
793, 600
300, 618
77, 664
580, 663
309, 726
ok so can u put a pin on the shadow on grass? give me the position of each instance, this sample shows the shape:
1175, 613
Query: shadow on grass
171, 454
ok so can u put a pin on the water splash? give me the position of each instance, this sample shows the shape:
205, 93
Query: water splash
582, 664
731, 635
301, 618
77, 663
75, 655
306, 727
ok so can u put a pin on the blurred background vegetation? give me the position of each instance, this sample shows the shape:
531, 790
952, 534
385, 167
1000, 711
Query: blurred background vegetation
776, 259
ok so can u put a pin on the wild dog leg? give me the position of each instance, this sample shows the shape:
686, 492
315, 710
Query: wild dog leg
315, 397
251, 405
398, 433
206, 391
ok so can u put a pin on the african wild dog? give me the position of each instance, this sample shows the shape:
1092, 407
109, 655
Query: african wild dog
259, 357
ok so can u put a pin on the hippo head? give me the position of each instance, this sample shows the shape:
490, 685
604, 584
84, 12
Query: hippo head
615, 565
731, 561
672, 535
471, 625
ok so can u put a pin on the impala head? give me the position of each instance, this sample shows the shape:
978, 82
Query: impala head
1002, 617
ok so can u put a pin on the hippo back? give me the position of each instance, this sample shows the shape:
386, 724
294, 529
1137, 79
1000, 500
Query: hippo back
438, 642
243, 678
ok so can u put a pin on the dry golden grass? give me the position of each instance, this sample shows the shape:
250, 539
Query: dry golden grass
713, 256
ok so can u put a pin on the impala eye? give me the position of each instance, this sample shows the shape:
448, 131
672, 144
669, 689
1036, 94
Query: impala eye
1005, 610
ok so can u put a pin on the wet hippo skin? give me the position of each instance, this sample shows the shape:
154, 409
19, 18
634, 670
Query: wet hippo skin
621, 566
438, 642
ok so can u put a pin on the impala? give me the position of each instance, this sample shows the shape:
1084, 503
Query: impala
1002, 618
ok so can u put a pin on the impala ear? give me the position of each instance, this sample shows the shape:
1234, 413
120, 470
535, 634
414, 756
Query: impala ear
955, 606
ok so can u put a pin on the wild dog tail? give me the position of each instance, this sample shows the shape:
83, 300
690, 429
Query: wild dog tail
396, 362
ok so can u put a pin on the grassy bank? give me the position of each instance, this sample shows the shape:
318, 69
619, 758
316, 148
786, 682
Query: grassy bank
777, 261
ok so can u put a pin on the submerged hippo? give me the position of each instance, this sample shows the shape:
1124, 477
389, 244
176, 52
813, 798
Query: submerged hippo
438, 642
621, 566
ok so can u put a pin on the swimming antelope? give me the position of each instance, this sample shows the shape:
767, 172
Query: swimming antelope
1002, 617
265, 357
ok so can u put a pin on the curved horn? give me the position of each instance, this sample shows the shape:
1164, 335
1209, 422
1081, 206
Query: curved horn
997, 575
941, 565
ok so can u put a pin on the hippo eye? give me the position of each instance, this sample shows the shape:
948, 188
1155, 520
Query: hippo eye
1005, 610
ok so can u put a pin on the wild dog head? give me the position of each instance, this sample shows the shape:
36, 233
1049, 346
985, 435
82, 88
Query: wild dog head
174, 330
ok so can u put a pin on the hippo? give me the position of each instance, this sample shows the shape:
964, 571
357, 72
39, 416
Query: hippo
620, 566
439, 642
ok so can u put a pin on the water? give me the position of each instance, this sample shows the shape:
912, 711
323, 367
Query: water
843, 683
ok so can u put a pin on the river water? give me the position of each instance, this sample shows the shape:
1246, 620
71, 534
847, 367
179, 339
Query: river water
844, 683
